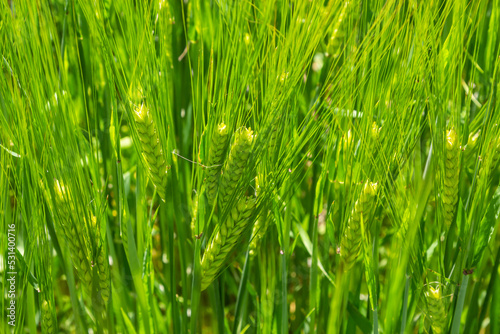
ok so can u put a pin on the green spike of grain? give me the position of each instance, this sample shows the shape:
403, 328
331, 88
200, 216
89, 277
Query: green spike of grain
215, 160
375, 131
47, 319
103, 273
151, 149
75, 238
495, 155
471, 147
258, 232
451, 173
338, 33
437, 310
335, 215
373, 139
224, 240
403, 228
490, 159
102, 266
351, 242
235, 165
260, 226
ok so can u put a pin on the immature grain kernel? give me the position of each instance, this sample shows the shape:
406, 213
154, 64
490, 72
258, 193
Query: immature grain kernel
151, 149
437, 310
235, 166
216, 156
224, 240
451, 173
350, 245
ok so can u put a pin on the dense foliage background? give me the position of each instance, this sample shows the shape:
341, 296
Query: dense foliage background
363, 199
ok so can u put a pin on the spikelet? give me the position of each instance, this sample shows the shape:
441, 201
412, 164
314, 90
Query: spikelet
47, 319
350, 244
471, 147
151, 149
235, 166
224, 240
451, 173
260, 226
216, 155
437, 310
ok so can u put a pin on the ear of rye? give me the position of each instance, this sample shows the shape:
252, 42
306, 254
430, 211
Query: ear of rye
215, 160
350, 245
75, 239
451, 173
47, 319
102, 266
151, 149
224, 240
436, 309
236, 163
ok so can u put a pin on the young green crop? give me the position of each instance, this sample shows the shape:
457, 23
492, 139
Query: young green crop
270, 230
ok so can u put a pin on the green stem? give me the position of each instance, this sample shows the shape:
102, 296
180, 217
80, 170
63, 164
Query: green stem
242, 292
338, 304
196, 289
455, 328
30, 310
405, 304
313, 284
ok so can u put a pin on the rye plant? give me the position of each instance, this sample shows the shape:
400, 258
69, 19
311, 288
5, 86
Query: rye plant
250, 166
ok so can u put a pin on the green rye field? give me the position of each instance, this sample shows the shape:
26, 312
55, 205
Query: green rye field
252, 166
